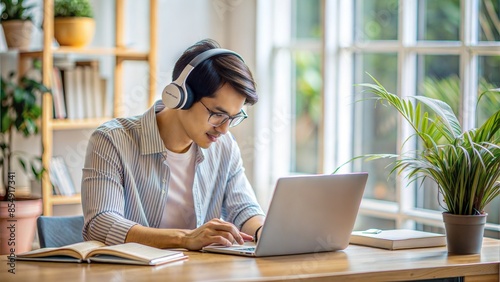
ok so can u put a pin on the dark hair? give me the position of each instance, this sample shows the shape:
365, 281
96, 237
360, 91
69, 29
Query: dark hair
210, 75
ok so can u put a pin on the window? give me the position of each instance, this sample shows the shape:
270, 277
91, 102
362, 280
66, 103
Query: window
319, 50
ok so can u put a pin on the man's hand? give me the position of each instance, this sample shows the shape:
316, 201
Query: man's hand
216, 231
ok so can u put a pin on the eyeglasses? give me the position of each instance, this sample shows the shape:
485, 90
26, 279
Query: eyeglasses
218, 119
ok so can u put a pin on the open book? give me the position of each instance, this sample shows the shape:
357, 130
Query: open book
94, 251
397, 239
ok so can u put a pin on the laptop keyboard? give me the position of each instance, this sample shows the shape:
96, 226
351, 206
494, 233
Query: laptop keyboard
246, 249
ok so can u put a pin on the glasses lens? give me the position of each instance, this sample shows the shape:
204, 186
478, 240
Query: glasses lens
217, 119
237, 120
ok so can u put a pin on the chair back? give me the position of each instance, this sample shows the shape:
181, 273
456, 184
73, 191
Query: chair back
57, 231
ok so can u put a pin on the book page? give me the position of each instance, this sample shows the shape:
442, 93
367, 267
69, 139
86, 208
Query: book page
136, 252
120, 260
78, 250
85, 248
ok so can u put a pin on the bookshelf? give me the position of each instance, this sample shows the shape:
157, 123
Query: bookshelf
121, 55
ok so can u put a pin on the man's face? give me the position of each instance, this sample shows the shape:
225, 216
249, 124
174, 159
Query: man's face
195, 119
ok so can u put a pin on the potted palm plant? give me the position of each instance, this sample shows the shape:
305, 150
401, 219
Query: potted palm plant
20, 112
74, 23
17, 23
465, 164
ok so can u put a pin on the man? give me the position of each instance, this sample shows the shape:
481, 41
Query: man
174, 178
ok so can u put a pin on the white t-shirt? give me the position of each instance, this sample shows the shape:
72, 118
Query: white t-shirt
179, 211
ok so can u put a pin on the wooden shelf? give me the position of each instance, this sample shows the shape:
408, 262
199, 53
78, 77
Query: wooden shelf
119, 52
123, 53
72, 124
66, 200
47, 54
30, 54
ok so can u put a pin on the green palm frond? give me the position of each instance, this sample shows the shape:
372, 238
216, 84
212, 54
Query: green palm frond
464, 165
488, 131
430, 130
451, 128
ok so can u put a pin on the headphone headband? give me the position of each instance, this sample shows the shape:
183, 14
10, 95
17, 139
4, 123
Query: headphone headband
176, 95
210, 53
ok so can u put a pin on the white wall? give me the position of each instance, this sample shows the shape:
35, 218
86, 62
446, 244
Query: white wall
180, 24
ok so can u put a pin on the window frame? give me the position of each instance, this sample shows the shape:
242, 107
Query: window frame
338, 48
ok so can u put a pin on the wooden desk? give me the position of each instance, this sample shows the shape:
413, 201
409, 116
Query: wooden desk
356, 263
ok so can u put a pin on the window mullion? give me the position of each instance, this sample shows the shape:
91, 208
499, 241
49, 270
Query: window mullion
469, 61
407, 62
330, 81
344, 87
261, 145
280, 126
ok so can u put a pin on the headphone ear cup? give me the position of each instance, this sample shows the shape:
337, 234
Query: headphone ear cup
189, 97
172, 96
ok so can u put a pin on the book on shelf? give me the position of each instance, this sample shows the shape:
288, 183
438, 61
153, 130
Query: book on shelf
94, 251
79, 92
107, 100
60, 177
54, 179
82, 89
98, 93
397, 239
92, 95
70, 93
87, 88
58, 94
63, 63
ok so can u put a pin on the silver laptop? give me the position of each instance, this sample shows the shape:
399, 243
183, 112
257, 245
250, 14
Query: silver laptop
308, 214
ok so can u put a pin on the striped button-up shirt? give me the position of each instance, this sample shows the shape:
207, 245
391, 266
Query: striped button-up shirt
125, 180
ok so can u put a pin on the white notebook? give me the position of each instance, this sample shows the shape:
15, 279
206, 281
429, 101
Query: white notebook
398, 239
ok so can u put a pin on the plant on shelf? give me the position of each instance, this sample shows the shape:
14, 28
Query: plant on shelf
16, 10
73, 8
74, 23
17, 23
20, 112
465, 164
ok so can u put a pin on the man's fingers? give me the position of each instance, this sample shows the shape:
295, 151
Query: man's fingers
220, 225
221, 240
217, 231
246, 237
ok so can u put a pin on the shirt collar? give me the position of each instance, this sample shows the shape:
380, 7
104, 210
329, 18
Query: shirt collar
151, 141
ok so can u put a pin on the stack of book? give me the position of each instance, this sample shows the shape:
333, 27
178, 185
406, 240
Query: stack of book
78, 90
61, 178
397, 239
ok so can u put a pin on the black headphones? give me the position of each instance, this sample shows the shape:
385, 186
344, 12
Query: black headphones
177, 94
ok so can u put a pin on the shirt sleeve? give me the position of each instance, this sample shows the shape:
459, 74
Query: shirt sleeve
103, 199
240, 202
